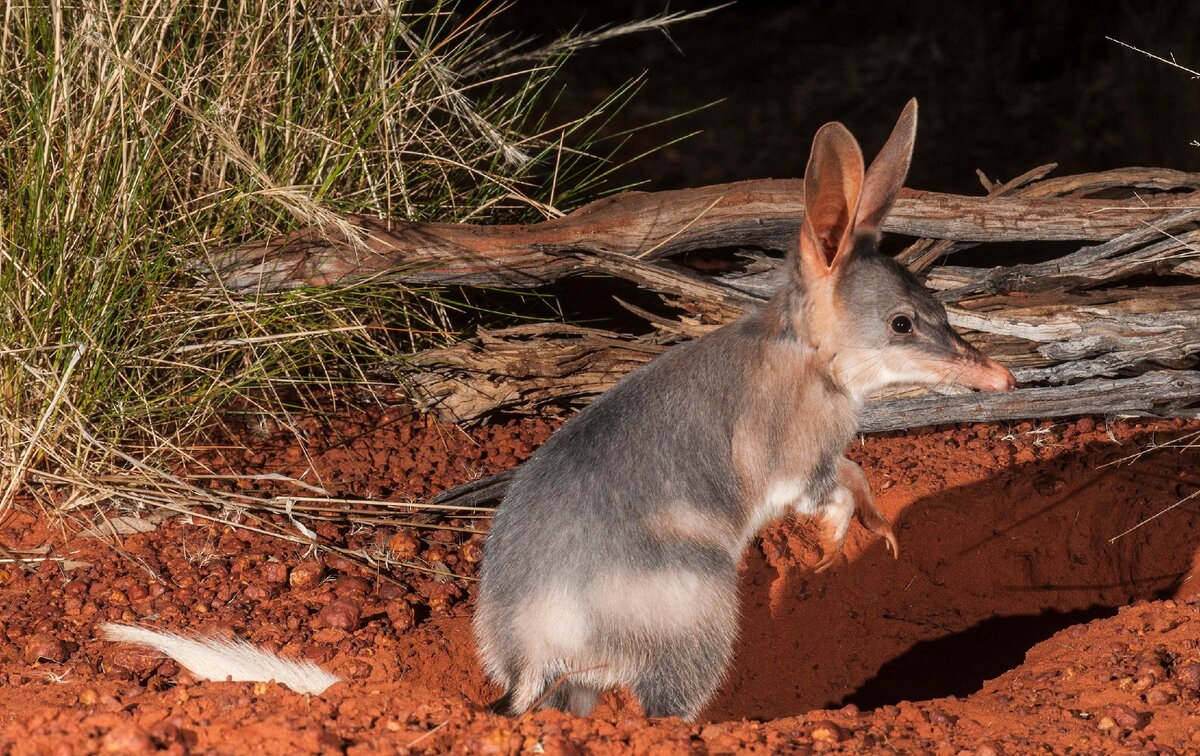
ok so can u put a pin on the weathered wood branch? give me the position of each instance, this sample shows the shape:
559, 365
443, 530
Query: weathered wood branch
762, 214
542, 367
1127, 255
526, 367
1166, 393
1075, 337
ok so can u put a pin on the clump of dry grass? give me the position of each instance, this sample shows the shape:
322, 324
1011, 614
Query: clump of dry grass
138, 137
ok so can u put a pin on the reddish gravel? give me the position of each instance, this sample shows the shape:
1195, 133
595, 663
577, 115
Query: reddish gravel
1012, 622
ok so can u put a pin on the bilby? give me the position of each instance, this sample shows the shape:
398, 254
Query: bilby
613, 559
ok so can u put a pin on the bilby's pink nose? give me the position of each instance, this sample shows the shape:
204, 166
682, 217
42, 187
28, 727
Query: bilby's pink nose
992, 376
980, 372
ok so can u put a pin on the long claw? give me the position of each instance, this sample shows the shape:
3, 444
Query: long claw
830, 552
825, 563
875, 522
892, 544
884, 530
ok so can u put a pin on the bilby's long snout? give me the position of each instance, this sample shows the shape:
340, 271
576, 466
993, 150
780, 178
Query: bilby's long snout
978, 371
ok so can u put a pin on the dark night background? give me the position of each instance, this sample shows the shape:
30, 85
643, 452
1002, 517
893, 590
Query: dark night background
1003, 86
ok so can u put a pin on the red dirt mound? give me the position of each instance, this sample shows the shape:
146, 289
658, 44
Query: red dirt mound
1018, 616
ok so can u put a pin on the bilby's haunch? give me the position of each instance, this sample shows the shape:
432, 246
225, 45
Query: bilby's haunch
613, 559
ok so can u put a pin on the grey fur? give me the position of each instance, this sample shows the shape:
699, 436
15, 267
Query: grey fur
576, 511
613, 559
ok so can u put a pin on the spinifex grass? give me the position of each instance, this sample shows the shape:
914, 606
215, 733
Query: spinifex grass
137, 137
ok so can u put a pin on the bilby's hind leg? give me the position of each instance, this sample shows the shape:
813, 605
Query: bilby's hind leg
684, 675
851, 497
664, 693
539, 691
835, 518
502, 705
851, 477
531, 688
569, 696
580, 698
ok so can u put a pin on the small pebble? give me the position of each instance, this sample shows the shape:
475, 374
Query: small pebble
939, 718
389, 590
827, 732
1126, 717
342, 613
401, 614
472, 552
127, 739
354, 669
349, 586
1159, 697
307, 574
1188, 675
274, 573
44, 647
339, 562
256, 593
404, 545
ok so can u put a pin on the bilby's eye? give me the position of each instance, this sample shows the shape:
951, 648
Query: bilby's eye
901, 324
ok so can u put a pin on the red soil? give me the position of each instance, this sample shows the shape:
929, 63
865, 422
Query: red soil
1011, 622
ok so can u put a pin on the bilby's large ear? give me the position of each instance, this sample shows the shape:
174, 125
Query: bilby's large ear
887, 173
833, 181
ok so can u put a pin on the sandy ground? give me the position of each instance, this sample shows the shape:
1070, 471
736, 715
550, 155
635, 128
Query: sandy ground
1012, 621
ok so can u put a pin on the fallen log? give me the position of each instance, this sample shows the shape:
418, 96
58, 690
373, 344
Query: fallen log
524, 368
546, 368
1098, 328
762, 214
1161, 393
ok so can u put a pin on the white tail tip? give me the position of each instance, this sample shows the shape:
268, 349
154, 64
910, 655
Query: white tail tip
215, 659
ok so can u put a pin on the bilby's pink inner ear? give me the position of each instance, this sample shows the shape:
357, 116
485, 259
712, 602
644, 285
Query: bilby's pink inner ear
886, 175
833, 181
